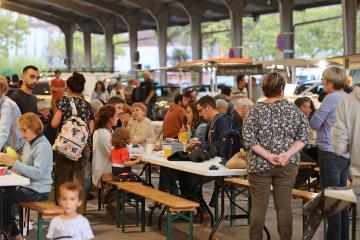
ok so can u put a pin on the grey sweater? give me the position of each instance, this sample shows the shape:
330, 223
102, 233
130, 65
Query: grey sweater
346, 131
37, 164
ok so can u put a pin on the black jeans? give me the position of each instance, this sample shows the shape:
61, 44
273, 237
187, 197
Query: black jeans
12, 196
334, 171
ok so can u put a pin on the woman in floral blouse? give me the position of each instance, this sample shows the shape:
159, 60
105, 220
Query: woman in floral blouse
275, 130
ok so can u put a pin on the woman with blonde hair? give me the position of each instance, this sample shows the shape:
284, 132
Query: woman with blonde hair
35, 164
10, 135
142, 128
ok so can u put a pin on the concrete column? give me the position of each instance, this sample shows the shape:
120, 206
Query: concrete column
108, 25
133, 42
349, 11
87, 49
236, 10
162, 20
286, 8
68, 30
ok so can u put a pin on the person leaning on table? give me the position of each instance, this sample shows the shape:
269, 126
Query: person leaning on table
36, 164
275, 130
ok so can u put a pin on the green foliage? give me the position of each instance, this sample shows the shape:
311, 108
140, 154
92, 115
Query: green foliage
57, 50
15, 65
178, 55
13, 29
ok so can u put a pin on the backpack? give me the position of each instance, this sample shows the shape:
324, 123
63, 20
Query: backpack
232, 141
73, 136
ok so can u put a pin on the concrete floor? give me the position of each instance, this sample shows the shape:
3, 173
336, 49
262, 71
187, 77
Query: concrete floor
104, 227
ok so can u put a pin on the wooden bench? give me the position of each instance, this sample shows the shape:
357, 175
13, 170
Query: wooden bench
45, 210
105, 178
175, 205
243, 183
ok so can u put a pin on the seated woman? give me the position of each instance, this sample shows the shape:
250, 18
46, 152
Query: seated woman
142, 128
309, 152
101, 163
36, 164
194, 124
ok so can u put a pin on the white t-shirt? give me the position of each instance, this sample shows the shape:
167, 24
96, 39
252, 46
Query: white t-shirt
75, 229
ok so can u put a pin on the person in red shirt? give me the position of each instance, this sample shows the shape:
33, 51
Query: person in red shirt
120, 156
174, 117
57, 88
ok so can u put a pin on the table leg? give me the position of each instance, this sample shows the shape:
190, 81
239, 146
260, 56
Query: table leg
222, 207
353, 230
2, 229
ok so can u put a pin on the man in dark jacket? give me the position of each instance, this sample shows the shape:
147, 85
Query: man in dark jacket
218, 123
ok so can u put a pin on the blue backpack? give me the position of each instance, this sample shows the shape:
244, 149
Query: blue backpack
232, 141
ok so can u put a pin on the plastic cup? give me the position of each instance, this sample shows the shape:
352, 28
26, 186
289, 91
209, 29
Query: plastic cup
149, 148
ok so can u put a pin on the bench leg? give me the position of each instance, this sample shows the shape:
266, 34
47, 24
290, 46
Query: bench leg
191, 223
40, 225
143, 214
232, 206
21, 220
168, 225
137, 212
118, 206
123, 202
161, 216
99, 198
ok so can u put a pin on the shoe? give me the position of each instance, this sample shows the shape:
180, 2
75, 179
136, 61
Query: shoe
205, 217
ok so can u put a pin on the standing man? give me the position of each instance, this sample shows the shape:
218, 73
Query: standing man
23, 96
150, 95
334, 169
174, 117
240, 91
57, 88
346, 136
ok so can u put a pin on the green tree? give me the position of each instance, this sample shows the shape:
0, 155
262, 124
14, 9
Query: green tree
13, 29
178, 55
57, 50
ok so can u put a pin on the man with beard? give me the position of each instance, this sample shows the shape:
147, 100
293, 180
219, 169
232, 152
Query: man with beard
23, 96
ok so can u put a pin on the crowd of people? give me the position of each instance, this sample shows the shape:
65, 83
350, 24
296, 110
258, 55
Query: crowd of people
276, 133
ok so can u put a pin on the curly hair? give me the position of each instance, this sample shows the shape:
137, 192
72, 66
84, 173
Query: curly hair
120, 138
103, 116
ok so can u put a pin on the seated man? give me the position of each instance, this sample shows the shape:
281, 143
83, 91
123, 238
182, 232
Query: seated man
174, 117
241, 107
222, 106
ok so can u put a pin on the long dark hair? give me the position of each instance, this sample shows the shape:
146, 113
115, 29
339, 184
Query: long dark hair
102, 86
103, 116
196, 120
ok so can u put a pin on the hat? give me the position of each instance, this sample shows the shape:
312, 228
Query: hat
221, 103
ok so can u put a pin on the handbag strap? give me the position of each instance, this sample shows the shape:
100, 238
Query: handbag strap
73, 107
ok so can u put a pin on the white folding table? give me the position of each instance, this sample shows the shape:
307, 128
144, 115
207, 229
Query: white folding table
345, 195
9, 180
199, 169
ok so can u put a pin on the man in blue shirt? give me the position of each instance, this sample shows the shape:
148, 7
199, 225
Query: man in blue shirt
334, 169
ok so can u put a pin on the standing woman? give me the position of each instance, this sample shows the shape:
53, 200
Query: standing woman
100, 92
275, 130
142, 128
101, 163
35, 164
10, 135
66, 169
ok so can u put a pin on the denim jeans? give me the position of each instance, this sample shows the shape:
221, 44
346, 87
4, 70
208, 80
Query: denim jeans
334, 171
149, 110
12, 196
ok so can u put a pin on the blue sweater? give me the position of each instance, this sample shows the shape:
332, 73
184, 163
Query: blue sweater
324, 119
37, 164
